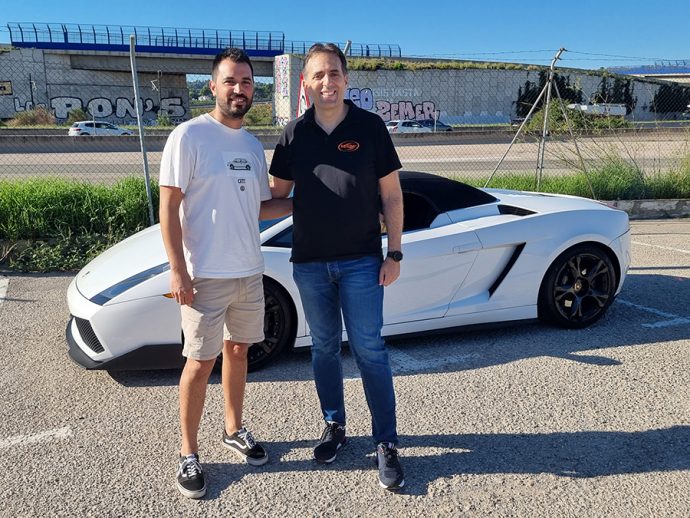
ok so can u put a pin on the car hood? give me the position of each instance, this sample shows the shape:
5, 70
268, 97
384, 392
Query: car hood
134, 255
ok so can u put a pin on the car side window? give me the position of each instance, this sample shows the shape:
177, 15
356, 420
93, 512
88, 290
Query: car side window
282, 239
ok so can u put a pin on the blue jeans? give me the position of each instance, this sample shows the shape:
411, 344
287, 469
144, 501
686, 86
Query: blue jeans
353, 286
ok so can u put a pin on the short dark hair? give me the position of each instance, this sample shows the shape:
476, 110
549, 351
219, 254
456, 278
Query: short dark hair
328, 48
233, 54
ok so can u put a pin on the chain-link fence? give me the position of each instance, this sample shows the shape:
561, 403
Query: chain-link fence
452, 118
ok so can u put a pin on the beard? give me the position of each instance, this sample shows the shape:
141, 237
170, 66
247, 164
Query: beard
235, 112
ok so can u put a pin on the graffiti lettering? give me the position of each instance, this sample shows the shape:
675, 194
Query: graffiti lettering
282, 76
63, 105
405, 110
172, 106
28, 105
100, 107
364, 98
124, 108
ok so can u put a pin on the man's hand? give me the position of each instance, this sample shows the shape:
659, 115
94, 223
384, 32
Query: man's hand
390, 271
181, 287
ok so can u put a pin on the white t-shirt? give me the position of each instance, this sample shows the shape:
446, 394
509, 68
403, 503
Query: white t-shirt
223, 175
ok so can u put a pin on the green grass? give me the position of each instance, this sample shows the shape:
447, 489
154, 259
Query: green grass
616, 179
50, 224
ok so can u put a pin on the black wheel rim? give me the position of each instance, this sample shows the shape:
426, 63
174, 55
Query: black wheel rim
583, 287
274, 330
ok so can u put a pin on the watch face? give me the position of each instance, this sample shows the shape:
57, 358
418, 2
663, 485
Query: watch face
395, 255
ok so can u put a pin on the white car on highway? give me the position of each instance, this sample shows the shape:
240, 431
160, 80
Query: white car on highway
411, 126
83, 128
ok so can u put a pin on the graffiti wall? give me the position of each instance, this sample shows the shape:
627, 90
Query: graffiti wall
31, 79
392, 110
474, 96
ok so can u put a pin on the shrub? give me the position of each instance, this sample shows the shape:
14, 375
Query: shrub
259, 115
579, 121
163, 119
77, 115
37, 117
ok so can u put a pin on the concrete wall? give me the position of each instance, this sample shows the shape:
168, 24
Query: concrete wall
41, 78
470, 96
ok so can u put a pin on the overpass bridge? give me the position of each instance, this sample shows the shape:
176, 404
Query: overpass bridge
182, 50
64, 67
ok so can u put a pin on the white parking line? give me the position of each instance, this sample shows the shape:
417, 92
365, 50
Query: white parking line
402, 363
47, 436
672, 320
4, 282
662, 247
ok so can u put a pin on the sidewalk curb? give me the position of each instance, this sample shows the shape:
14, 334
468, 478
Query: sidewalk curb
653, 209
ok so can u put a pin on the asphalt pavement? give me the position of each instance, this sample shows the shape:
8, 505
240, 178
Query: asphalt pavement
524, 421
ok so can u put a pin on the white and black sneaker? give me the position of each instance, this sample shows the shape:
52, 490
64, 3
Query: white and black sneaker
242, 442
190, 476
332, 439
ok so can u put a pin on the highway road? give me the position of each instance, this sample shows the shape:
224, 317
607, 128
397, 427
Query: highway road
464, 156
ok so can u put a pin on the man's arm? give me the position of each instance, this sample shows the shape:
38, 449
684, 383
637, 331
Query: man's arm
280, 204
171, 230
392, 201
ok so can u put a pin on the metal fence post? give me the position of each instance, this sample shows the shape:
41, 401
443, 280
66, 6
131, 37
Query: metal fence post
142, 141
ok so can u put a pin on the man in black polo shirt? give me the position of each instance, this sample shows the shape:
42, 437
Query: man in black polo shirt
344, 169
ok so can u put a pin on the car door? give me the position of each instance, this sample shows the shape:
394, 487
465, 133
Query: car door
435, 264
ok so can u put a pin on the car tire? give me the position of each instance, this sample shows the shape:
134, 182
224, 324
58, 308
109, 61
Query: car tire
279, 326
578, 287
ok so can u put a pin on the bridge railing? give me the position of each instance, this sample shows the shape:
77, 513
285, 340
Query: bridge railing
155, 38
171, 39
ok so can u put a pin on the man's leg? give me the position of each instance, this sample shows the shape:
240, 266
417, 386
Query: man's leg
202, 325
234, 378
193, 384
362, 301
317, 284
319, 296
244, 324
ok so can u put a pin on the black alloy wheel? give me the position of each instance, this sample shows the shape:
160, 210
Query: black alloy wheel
279, 326
578, 287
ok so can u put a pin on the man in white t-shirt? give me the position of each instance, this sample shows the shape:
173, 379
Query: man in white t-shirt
214, 189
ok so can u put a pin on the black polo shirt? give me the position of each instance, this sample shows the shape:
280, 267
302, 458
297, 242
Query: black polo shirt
336, 201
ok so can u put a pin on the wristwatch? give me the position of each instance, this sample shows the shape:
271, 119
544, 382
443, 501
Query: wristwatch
396, 255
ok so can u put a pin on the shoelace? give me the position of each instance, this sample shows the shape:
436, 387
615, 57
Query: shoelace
390, 454
328, 432
191, 467
247, 437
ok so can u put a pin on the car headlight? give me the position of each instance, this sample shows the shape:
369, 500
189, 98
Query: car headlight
122, 286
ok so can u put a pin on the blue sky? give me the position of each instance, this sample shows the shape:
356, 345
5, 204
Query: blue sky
596, 34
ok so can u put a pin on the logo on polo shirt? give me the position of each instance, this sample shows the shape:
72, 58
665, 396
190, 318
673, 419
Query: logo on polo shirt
349, 146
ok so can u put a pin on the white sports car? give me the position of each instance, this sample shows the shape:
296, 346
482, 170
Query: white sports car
472, 256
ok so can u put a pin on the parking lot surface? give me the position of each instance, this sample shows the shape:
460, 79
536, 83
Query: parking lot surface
526, 420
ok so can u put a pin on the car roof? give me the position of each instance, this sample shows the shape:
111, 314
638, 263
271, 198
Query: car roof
444, 194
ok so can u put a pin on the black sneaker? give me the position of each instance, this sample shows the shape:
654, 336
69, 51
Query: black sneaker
242, 442
190, 477
332, 439
390, 473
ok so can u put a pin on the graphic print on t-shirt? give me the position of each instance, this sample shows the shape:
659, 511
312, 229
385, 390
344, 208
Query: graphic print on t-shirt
241, 167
